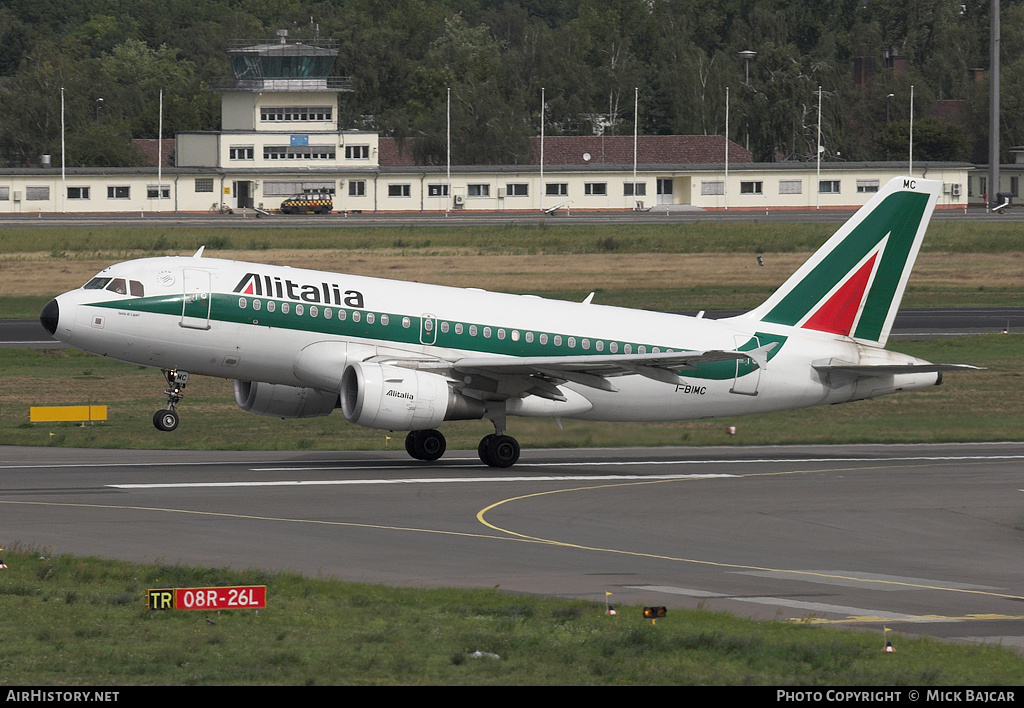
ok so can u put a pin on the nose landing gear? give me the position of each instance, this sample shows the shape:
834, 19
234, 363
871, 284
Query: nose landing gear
167, 419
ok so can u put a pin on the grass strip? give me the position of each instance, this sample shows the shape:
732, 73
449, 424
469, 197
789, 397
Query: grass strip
82, 621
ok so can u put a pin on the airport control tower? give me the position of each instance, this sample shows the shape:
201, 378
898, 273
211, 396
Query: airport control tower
280, 132
281, 84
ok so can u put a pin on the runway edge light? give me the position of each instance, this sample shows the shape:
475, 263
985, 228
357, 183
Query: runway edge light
653, 613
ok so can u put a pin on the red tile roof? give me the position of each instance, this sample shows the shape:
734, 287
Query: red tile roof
149, 148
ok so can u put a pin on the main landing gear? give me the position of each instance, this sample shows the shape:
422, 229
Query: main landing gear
429, 445
498, 450
166, 419
426, 445
495, 450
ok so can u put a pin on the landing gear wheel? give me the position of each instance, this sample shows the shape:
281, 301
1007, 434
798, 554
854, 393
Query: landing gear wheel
165, 420
499, 450
426, 445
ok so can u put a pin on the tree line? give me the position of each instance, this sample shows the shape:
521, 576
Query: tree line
778, 59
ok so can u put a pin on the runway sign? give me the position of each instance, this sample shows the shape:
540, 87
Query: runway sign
247, 597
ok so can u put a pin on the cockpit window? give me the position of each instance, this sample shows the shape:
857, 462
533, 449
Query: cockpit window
121, 286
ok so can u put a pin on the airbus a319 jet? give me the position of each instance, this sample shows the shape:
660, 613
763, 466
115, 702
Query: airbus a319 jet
407, 356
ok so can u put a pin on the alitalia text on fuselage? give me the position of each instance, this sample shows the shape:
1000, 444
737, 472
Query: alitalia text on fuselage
320, 293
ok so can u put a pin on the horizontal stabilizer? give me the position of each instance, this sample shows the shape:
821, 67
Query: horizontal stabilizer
889, 369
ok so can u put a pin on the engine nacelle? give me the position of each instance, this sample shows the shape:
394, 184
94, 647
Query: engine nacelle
282, 401
394, 398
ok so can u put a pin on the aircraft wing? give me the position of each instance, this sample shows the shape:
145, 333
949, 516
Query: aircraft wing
590, 370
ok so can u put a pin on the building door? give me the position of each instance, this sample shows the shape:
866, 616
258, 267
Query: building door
665, 191
243, 195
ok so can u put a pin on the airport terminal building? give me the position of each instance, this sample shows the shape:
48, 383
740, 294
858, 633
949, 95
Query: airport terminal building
281, 137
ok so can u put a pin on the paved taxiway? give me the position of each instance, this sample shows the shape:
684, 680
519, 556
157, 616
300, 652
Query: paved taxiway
924, 539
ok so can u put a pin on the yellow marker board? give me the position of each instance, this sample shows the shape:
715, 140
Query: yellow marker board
64, 414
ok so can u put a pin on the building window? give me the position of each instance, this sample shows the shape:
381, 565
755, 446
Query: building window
399, 190
865, 185
711, 189
1015, 186
357, 188
517, 189
557, 189
307, 113
298, 152
638, 189
598, 189
78, 192
204, 184
791, 186
437, 190
357, 152
751, 187
158, 192
37, 194
241, 152
119, 192
828, 186
478, 190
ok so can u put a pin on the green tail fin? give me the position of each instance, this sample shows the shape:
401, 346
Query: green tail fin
852, 286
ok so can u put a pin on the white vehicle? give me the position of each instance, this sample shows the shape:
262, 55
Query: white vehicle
407, 356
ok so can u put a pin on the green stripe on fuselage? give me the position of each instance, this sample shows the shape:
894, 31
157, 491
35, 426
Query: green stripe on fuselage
226, 308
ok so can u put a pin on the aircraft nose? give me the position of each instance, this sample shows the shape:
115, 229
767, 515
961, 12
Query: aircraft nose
49, 316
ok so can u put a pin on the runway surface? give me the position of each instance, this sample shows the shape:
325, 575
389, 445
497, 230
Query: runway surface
924, 539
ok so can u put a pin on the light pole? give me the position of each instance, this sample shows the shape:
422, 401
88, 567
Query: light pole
747, 55
888, 103
99, 105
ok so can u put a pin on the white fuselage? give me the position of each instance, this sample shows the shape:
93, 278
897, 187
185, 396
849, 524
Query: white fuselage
300, 328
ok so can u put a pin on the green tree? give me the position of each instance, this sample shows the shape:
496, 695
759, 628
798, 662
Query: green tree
933, 141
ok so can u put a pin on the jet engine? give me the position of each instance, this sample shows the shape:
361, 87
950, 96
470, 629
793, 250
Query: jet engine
395, 398
283, 401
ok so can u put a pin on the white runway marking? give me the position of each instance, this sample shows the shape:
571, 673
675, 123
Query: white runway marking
658, 463
336, 465
859, 579
794, 604
420, 480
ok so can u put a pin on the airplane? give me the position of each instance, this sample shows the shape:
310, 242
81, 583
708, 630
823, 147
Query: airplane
405, 356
